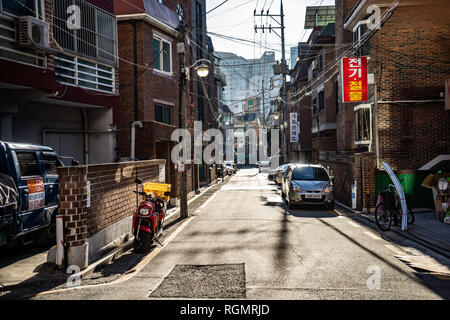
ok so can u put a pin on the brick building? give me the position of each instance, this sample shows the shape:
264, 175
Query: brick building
59, 86
313, 97
148, 37
409, 57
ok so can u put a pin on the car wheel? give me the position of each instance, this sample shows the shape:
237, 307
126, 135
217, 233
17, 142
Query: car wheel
331, 206
290, 204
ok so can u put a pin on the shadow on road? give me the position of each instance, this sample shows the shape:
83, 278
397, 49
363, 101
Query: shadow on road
437, 285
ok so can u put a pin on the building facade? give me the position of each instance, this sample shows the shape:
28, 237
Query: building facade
401, 121
67, 98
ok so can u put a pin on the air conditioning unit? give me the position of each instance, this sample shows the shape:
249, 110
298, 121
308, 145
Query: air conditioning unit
33, 32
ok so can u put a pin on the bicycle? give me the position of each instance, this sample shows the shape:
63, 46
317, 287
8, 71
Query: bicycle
390, 209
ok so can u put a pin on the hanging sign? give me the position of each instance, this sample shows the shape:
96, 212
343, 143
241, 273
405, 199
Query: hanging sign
36, 193
294, 127
354, 80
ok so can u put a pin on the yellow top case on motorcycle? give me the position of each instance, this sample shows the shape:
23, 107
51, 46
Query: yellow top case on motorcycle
158, 189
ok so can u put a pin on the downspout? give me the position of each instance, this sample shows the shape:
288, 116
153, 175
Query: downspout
86, 137
133, 138
135, 58
136, 96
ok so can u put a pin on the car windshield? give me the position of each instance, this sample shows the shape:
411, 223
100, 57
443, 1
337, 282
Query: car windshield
310, 173
283, 167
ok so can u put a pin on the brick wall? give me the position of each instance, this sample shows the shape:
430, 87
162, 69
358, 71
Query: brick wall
111, 196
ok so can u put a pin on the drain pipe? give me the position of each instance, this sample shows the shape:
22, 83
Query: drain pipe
86, 137
133, 138
59, 241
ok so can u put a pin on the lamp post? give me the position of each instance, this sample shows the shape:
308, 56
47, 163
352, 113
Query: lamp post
202, 68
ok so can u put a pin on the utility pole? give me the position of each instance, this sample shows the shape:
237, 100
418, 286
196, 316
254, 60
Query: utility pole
182, 114
280, 25
264, 104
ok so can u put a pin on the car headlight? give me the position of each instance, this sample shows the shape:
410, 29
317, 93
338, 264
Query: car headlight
144, 212
296, 189
443, 184
328, 189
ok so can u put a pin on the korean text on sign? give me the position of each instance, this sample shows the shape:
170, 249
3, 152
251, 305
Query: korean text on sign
354, 79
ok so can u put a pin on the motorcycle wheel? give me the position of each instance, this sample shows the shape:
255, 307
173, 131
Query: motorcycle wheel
144, 243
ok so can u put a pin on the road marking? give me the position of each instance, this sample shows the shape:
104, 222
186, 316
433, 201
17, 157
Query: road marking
373, 236
353, 224
394, 249
209, 200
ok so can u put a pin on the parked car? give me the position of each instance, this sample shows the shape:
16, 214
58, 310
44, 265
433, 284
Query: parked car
307, 184
29, 171
229, 167
280, 172
263, 164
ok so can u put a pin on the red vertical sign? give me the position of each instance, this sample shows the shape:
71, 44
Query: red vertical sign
354, 79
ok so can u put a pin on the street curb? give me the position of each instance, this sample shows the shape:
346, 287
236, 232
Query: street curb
108, 258
406, 234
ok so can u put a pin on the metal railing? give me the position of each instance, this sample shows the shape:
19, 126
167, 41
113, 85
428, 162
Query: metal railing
10, 50
96, 37
76, 71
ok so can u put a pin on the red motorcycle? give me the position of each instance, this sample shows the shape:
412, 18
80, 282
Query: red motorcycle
148, 219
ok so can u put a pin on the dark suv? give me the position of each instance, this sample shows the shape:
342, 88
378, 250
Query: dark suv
28, 190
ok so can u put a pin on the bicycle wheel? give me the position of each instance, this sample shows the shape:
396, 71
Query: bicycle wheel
383, 217
411, 217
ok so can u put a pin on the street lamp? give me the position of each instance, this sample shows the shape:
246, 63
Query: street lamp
202, 68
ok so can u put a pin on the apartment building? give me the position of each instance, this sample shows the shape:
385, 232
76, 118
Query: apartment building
404, 120
59, 79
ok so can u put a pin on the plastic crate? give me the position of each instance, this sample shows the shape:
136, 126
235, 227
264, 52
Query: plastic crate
158, 190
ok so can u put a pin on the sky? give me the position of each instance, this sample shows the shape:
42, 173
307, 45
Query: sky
235, 18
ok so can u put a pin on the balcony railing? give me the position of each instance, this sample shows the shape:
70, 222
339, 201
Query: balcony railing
95, 38
76, 71
9, 48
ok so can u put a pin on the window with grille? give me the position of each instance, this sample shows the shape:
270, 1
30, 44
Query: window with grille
95, 37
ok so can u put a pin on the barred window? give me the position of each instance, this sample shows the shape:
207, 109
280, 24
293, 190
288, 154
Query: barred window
95, 37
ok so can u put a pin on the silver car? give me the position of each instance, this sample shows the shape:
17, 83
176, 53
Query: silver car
308, 184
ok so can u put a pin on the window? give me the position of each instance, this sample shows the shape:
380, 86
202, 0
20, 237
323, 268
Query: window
163, 114
321, 100
28, 164
22, 7
199, 26
51, 162
180, 12
310, 173
162, 55
96, 37
314, 105
363, 124
358, 34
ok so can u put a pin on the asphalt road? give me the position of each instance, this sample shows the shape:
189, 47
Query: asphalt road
308, 253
